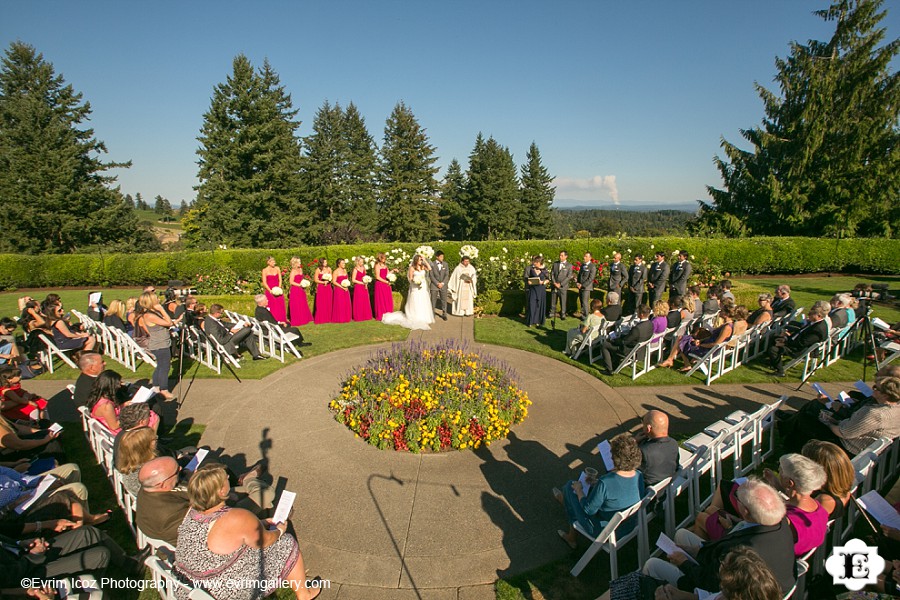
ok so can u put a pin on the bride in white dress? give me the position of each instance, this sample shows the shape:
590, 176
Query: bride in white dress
418, 312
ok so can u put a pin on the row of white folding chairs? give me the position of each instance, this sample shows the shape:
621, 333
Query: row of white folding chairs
207, 351
271, 339
117, 344
838, 344
51, 351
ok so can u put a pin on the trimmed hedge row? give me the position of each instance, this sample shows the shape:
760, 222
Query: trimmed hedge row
751, 255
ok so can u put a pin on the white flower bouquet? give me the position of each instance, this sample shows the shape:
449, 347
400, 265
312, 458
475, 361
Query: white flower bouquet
469, 250
419, 278
345, 283
326, 277
392, 277
304, 283
277, 291
425, 251
367, 279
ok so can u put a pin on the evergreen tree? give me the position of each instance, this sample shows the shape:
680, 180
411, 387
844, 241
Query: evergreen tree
139, 202
182, 209
536, 197
453, 190
826, 159
492, 194
322, 173
249, 165
408, 206
53, 185
359, 172
129, 201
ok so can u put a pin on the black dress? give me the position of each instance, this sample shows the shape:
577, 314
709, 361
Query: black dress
536, 296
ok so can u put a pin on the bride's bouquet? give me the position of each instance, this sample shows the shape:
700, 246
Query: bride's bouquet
469, 250
426, 251
392, 277
367, 279
304, 283
419, 278
277, 291
326, 277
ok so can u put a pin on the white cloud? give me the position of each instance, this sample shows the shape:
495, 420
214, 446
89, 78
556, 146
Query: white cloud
566, 186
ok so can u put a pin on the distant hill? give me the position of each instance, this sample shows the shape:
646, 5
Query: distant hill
690, 207
573, 221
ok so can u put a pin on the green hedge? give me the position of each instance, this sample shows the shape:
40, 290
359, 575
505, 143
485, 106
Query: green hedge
750, 256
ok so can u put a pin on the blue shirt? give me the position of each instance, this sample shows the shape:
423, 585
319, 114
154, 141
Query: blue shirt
611, 494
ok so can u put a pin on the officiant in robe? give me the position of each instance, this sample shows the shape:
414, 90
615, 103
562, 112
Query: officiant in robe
536, 278
463, 287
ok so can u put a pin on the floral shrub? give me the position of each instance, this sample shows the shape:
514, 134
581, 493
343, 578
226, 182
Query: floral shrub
417, 397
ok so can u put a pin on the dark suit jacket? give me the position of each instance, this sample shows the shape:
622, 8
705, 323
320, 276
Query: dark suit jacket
838, 318
219, 331
83, 386
561, 274
613, 312
261, 313
639, 333
710, 306
774, 544
781, 307
658, 275
586, 276
160, 513
436, 277
808, 336
617, 276
637, 278
673, 318
679, 277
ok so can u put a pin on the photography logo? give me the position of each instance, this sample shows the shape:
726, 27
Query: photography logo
854, 565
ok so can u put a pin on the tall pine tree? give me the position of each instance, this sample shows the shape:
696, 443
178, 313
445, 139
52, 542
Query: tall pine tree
827, 157
537, 195
359, 173
321, 176
453, 190
492, 193
249, 165
408, 209
53, 184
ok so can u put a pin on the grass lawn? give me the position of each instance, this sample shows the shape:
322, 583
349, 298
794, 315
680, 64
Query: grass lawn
322, 338
806, 290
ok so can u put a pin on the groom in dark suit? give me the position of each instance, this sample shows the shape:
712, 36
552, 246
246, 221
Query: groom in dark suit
560, 276
439, 276
585, 282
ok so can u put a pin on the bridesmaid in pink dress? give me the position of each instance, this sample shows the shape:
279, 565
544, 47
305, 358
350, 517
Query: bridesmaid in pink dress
341, 310
362, 304
299, 305
271, 278
384, 300
324, 292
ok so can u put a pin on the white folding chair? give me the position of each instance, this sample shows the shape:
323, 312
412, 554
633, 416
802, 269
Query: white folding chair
683, 481
609, 539
647, 513
802, 568
50, 351
167, 583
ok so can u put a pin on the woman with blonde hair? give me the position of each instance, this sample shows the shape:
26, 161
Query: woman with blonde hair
136, 447
840, 476
130, 303
298, 303
115, 315
660, 319
218, 544
153, 322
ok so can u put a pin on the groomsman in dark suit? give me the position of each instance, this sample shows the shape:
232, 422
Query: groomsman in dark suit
439, 276
637, 279
680, 275
560, 276
657, 278
585, 282
617, 274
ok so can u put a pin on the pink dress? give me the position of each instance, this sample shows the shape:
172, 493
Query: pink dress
384, 300
276, 303
323, 303
154, 418
300, 314
340, 304
362, 305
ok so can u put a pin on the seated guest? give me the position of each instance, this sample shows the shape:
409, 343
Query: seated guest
764, 529
190, 311
172, 306
614, 491
228, 334
19, 441
838, 315
130, 315
840, 476
9, 350
96, 310
659, 452
218, 544
131, 416
613, 310
136, 448
694, 295
725, 286
16, 403
676, 312
107, 398
698, 346
741, 314
711, 306
793, 344
82, 550
763, 314
798, 478
31, 317
66, 497
64, 335
620, 347
575, 336
263, 314
873, 420
742, 576
115, 316
162, 500
660, 319
200, 315
783, 304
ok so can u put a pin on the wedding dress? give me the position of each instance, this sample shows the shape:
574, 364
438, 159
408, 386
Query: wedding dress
418, 312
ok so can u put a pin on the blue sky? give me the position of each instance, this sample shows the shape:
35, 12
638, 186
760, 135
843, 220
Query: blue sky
626, 100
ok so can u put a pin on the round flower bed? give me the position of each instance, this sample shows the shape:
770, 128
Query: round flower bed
416, 397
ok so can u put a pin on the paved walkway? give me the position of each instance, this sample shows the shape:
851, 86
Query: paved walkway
386, 525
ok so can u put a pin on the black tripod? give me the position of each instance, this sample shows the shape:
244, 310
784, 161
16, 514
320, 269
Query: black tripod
865, 321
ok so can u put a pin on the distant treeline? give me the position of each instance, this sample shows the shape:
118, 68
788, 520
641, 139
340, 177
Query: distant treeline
605, 223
